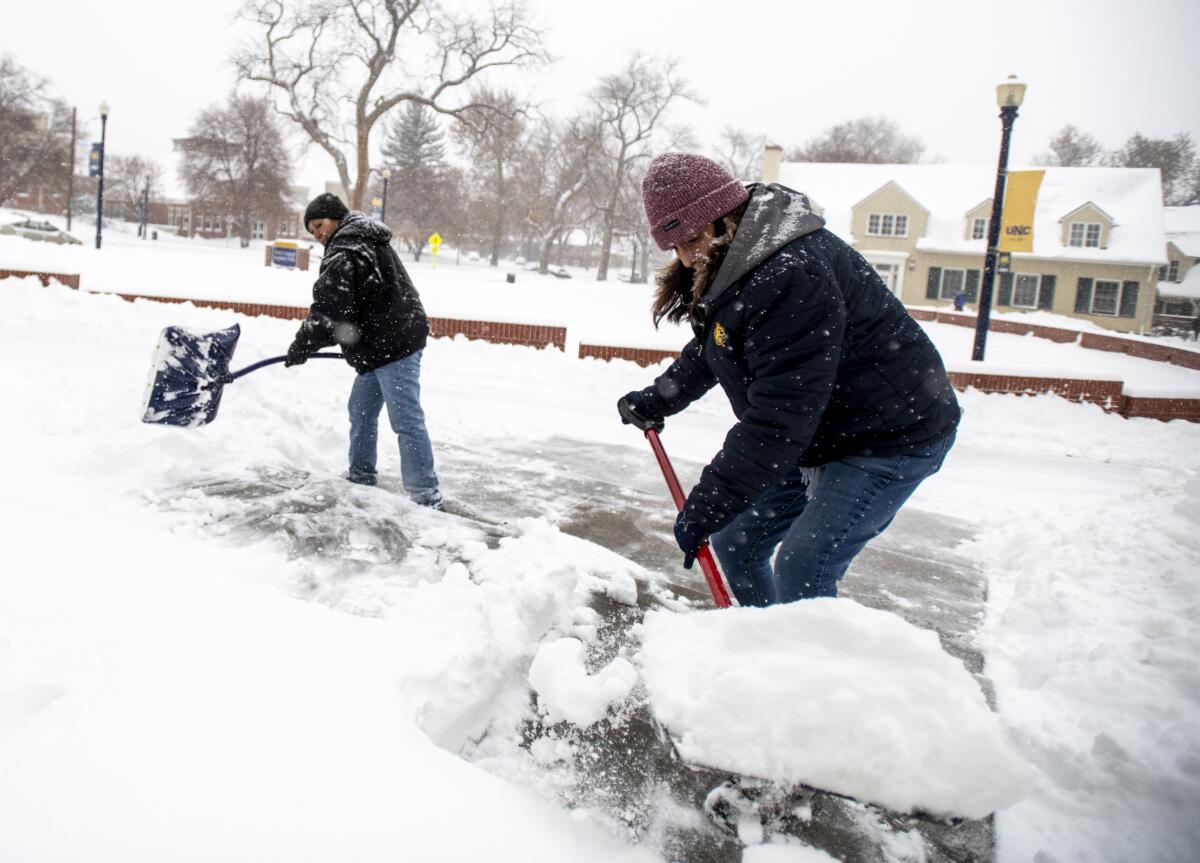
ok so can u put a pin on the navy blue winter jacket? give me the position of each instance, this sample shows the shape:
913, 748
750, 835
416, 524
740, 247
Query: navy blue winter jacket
363, 299
818, 359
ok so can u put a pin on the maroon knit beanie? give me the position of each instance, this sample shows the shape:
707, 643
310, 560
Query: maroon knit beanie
682, 193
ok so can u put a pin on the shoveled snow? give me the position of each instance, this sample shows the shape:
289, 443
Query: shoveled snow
565, 690
786, 693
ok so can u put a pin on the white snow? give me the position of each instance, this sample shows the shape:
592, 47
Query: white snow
787, 693
177, 685
566, 691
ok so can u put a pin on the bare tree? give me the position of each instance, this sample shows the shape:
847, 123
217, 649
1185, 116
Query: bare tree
629, 106
1174, 157
235, 162
337, 67
562, 161
126, 179
35, 132
866, 139
741, 153
493, 133
1071, 148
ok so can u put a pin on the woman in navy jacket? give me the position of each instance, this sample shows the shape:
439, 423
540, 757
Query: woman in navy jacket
843, 404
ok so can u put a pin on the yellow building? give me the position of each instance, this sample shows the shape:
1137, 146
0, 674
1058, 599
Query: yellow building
1098, 235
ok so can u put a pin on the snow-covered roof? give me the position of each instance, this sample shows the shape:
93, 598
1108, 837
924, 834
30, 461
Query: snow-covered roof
1183, 228
1131, 196
1188, 288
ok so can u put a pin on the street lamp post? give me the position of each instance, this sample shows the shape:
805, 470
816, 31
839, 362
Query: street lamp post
385, 173
100, 176
1009, 95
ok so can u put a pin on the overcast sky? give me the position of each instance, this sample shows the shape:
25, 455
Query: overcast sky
784, 68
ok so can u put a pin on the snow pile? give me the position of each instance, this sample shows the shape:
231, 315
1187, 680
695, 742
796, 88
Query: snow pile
566, 690
832, 694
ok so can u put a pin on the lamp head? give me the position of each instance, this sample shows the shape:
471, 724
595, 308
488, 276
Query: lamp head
1011, 93
104, 107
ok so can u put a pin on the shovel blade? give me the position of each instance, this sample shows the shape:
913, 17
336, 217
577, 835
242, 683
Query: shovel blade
186, 376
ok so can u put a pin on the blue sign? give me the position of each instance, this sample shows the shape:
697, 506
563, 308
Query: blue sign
284, 256
94, 160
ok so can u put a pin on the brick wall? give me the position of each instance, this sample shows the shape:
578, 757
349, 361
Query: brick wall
71, 280
1162, 409
1106, 394
533, 335
641, 356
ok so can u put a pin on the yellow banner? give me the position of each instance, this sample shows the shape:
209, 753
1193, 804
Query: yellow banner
1020, 201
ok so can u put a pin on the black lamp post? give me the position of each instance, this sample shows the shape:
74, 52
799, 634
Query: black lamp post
100, 176
1009, 95
385, 173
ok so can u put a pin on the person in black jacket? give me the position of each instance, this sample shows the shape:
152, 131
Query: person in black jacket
364, 301
843, 404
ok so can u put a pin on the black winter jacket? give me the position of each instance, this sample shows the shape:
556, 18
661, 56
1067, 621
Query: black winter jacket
363, 299
818, 359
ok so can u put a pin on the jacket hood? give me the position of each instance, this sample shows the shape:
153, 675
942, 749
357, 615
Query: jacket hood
775, 216
360, 226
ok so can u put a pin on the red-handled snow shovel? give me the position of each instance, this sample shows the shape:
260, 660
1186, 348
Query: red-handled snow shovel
704, 554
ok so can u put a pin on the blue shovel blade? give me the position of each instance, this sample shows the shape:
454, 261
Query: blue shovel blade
187, 376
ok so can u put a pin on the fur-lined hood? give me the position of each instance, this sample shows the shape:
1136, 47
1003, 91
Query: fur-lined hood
775, 216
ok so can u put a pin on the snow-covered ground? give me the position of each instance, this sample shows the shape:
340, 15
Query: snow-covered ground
175, 686
611, 313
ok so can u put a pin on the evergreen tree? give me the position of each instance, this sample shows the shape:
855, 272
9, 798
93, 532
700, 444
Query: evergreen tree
423, 191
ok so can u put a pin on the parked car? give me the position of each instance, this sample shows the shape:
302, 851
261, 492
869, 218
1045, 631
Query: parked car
560, 273
43, 231
473, 257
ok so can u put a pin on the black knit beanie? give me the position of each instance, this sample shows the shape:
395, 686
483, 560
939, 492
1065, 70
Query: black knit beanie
325, 206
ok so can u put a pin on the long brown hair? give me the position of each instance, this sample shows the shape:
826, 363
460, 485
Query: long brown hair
678, 287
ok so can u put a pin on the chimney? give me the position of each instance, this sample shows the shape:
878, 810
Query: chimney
772, 157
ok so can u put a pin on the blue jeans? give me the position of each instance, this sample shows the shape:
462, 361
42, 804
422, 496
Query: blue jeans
397, 385
820, 526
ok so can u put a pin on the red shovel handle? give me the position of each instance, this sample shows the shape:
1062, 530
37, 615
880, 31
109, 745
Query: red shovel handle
711, 574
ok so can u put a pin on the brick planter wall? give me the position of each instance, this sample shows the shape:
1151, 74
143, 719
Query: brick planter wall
1162, 409
641, 356
532, 335
71, 280
1106, 394
1142, 350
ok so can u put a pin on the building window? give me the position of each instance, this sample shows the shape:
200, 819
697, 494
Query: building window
953, 281
1173, 271
285, 228
1176, 308
1106, 298
1085, 235
258, 231
979, 229
1025, 290
887, 225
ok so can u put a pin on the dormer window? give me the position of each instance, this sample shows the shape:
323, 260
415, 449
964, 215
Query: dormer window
887, 225
1085, 235
979, 228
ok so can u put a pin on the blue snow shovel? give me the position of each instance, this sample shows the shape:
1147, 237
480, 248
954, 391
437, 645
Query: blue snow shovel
189, 372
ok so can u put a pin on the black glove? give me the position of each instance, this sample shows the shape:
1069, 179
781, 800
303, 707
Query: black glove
689, 536
296, 356
635, 410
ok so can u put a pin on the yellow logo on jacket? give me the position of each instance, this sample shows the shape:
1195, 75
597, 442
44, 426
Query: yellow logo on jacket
720, 337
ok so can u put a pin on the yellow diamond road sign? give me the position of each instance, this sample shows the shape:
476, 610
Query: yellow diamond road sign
435, 240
